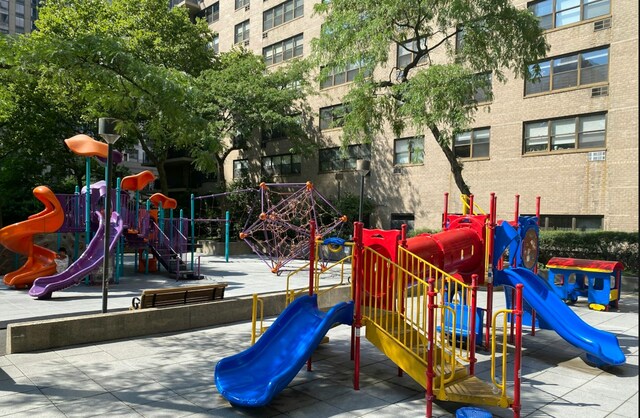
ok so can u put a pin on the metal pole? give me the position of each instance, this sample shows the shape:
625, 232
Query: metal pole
227, 221
517, 361
107, 233
361, 198
193, 230
445, 213
358, 282
87, 208
312, 259
118, 264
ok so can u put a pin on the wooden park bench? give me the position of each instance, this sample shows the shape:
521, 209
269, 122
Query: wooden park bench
172, 296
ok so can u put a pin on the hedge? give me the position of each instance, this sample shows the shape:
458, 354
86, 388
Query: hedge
600, 245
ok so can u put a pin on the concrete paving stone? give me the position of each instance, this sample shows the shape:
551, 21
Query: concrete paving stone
4, 361
98, 405
17, 385
55, 377
319, 410
40, 358
570, 410
100, 358
390, 392
85, 349
41, 412
21, 402
72, 390
357, 402
629, 408
207, 398
290, 399
169, 408
620, 391
10, 372
585, 396
322, 389
144, 394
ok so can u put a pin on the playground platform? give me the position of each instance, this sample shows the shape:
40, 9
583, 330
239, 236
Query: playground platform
172, 375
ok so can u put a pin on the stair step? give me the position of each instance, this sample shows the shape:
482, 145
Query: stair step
472, 390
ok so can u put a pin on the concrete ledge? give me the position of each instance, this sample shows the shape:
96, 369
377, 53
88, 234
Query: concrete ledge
55, 333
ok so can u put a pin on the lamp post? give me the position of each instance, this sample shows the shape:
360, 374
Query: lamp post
106, 129
363, 167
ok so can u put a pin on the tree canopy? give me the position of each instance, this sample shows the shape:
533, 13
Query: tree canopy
446, 45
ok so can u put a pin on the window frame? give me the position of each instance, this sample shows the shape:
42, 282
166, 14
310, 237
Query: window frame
554, 12
270, 52
297, 7
347, 76
403, 46
473, 133
410, 151
296, 166
246, 26
243, 170
579, 72
577, 133
239, 4
210, 14
346, 159
336, 120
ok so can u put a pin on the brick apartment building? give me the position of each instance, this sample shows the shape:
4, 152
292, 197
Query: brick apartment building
17, 16
572, 138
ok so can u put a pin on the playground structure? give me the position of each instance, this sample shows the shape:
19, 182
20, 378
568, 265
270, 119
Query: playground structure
278, 231
598, 281
415, 297
131, 225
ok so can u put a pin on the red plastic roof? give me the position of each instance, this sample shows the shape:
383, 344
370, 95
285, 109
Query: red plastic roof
578, 263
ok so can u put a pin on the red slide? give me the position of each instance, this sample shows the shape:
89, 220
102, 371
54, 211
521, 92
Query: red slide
19, 239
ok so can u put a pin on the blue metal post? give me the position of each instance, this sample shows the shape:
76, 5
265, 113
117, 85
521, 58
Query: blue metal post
193, 230
180, 226
226, 236
171, 227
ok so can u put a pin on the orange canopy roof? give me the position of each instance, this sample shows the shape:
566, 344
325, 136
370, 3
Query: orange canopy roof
138, 181
86, 146
167, 202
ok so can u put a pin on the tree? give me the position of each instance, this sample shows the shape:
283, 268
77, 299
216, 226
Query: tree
432, 89
135, 61
239, 102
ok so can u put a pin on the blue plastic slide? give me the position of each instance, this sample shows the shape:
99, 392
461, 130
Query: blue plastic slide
602, 347
253, 377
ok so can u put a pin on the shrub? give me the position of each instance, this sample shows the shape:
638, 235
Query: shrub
600, 245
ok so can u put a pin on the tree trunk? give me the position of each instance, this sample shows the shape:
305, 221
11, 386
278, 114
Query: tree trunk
221, 177
456, 167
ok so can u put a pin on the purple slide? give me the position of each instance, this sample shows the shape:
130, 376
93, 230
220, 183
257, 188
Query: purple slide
91, 259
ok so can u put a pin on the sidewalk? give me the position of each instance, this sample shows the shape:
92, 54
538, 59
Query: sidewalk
172, 375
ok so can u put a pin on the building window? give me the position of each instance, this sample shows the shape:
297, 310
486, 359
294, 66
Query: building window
407, 52
399, 219
242, 3
338, 159
483, 94
282, 13
579, 132
580, 69
241, 32
338, 77
332, 116
215, 44
571, 222
274, 165
472, 144
240, 168
557, 13
212, 13
408, 151
283, 51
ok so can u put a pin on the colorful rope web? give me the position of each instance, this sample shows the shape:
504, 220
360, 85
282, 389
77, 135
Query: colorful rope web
281, 233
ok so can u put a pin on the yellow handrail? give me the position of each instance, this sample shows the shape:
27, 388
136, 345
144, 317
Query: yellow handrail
254, 318
502, 386
477, 208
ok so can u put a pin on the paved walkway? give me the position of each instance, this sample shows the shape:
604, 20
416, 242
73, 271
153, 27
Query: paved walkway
172, 375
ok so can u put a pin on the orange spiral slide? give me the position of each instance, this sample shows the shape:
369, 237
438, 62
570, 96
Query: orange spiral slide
19, 239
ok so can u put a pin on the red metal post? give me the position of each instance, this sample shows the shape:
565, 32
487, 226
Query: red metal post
471, 204
312, 266
516, 213
512, 322
445, 212
472, 324
430, 331
517, 361
358, 280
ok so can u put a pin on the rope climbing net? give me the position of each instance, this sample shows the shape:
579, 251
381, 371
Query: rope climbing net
281, 232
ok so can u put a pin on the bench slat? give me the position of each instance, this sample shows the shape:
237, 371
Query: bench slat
151, 298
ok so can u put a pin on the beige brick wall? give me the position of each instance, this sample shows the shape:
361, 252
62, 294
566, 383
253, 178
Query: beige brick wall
567, 182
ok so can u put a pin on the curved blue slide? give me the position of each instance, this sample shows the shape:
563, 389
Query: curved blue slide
253, 377
602, 347
90, 260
